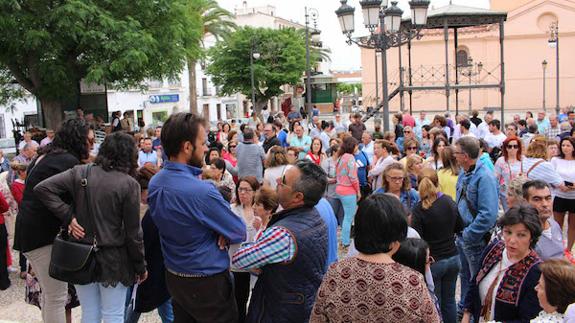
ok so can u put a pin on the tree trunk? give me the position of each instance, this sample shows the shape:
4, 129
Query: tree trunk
53, 113
192, 86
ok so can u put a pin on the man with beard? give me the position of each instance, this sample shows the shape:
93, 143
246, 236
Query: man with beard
550, 244
291, 254
195, 224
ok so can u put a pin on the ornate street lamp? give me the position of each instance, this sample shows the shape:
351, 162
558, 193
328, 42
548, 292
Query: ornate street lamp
313, 13
391, 33
554, 43
544, 65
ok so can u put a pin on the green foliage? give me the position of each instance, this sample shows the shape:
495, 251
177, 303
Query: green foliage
9, 91
281, 61
49, 46
348, 89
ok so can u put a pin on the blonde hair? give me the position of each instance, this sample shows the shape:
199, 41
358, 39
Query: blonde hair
428, 187
537, 148
411, 162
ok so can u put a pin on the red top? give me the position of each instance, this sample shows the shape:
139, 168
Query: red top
4, 207
17, 190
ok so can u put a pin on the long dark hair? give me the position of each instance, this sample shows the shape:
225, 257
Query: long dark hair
118, 152
71, 137
413, 254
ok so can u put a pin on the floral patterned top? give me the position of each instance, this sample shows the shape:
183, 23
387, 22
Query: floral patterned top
506, 171
346, 174
545, 317
354, 290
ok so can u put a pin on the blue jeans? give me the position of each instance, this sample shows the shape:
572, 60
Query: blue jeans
503, 198
444, 274
470, 256
102, 303
349, 203
164, 311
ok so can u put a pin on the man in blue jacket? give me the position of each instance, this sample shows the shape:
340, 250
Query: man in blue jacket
195, 224
477, 202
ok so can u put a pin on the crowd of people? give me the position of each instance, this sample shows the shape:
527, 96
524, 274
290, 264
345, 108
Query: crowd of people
296, 220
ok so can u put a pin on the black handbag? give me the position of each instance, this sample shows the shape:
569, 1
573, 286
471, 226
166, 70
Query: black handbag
72, 261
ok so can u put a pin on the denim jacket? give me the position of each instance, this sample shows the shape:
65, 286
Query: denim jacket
481, 189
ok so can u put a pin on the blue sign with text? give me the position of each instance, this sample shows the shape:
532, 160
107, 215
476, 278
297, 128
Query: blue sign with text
164, 98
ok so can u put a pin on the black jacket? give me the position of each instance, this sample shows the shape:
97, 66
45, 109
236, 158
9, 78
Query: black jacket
269, 143
36, 226
153, 291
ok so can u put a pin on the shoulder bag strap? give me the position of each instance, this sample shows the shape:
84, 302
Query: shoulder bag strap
533, 167
84, 183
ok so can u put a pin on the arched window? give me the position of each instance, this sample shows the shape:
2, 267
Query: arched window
462, 58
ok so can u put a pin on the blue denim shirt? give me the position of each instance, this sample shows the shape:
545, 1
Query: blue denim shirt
190, 215
482, 192
408, 199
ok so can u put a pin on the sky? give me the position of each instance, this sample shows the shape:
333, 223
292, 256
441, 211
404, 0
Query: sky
343, 57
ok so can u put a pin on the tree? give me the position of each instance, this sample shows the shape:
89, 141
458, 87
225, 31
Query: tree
281, 61
10, 91
349, 89
49, 47
215, 21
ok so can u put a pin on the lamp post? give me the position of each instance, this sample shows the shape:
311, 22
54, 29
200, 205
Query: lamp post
377, 13
253, 55
471, 70
554, 43
314, 14
544, 65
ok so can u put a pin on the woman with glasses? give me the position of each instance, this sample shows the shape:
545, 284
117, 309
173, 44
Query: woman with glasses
437, 220
410, 148
564, 202
396, 182
244, 208
508, 167
230, 156
347, 189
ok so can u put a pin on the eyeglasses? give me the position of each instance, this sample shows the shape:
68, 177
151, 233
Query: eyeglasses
411, 148
395, 179
245, 190
512, 146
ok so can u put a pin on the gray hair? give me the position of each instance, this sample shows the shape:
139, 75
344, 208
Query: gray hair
515, 186
312, 182
469, 146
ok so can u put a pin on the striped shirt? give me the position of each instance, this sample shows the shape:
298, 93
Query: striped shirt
543, 171
275, 245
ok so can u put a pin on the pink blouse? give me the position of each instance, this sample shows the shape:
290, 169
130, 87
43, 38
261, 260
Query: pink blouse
346, 175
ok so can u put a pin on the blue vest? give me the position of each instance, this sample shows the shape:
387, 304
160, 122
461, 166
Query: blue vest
285, 292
